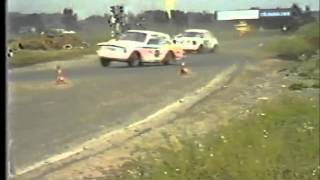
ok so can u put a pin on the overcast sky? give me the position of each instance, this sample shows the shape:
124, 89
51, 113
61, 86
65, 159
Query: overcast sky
85, 8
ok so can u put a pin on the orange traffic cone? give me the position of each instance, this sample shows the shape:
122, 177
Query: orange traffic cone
60, 77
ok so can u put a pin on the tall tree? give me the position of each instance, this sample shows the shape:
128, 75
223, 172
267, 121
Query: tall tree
70, 20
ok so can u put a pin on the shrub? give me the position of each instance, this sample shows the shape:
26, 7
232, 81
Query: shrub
291, 48
315, 86
297, 86
311, 33
308, 68
304, 42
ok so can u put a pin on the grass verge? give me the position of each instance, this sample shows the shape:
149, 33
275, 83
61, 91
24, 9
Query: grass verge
302, 43
29, 57
279, 140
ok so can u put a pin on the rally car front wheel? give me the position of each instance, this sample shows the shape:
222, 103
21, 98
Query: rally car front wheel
200, 49
214, 49
104, 62
134, 60
168, 58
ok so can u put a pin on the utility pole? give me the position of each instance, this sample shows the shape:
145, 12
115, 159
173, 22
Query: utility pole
117, 21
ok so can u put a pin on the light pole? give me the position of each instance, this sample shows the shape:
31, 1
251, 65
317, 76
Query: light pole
116, 21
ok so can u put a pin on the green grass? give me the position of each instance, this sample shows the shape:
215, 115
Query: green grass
310, 33
291, 47
309, 68
303, 42
29, 57
297, 86
278, 141
308, 71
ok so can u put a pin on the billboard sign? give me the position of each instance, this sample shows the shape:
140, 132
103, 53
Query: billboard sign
275, 13
237, 15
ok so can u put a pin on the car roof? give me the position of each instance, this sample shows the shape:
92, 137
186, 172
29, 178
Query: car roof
196, 30
148, 32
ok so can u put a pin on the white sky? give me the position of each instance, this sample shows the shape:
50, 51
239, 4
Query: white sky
85, 8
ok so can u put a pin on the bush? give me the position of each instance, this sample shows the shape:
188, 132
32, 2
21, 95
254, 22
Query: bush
311, 33
291, 48
297, 86
304, 42
315, 86
308, 68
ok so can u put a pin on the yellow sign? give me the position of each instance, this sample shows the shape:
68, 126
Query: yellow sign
169, 5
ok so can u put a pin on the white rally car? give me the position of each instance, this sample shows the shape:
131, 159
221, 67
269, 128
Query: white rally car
197, 40
160, 50
137, 47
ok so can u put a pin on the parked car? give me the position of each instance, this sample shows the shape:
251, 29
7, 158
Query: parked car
129, 48
197, 40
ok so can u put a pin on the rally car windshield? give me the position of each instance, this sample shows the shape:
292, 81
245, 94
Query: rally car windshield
157, 42
192, 34
134, 36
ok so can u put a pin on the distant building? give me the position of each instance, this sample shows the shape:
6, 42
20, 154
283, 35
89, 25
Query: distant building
275, 18
291, 18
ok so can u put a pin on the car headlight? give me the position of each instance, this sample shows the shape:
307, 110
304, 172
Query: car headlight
124, 50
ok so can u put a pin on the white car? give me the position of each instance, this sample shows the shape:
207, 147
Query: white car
159, 50
197, 40
128, 47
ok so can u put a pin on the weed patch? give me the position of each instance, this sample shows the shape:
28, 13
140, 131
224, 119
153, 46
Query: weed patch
279, 140
302, 43
29, 57
297, 86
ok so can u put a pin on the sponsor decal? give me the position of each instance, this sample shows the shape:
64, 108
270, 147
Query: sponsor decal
274, 14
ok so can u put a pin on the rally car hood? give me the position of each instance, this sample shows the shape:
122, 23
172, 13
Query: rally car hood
122, 43
188, 39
